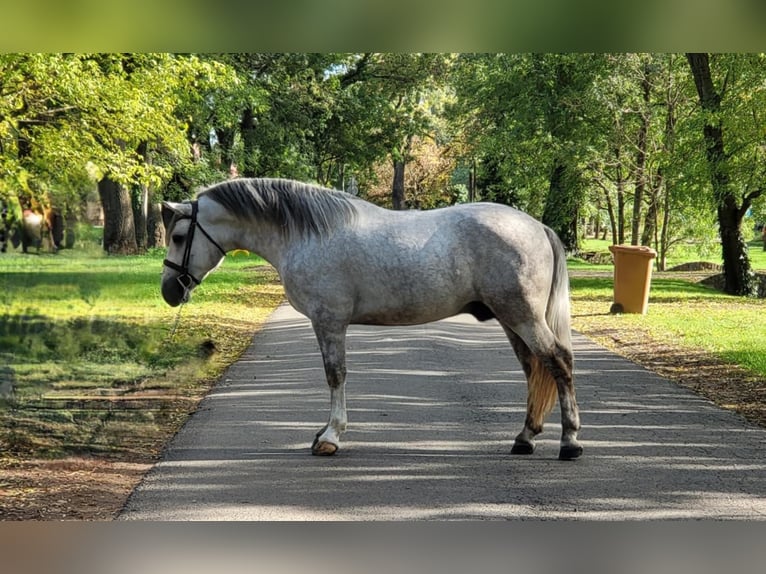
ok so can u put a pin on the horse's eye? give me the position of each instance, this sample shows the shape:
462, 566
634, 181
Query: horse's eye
178, 239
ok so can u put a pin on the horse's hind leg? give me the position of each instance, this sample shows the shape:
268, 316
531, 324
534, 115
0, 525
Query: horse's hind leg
332, 343
560, 364
537, 405
549, 368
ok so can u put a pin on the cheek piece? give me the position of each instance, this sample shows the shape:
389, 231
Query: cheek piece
186, 279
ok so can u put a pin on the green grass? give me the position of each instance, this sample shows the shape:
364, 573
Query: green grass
757, 255
679, 254
681, 313
80, 333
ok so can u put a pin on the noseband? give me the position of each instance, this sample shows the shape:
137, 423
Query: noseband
186, 279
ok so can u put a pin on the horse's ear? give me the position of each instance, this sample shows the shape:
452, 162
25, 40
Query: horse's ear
170, 210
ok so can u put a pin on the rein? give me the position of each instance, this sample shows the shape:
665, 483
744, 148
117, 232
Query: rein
186, 279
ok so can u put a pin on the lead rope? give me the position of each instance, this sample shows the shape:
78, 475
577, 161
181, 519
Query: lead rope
176, 322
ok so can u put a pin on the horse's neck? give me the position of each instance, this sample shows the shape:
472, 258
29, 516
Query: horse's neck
232, 232
268, 241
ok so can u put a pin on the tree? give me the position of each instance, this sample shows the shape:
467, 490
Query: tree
427, 182
645, 140
738, 93
530, 115
112, 117
398, 95
119, 225
642, 175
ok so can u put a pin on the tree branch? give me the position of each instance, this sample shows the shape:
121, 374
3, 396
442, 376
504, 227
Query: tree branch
747, 201
354, 75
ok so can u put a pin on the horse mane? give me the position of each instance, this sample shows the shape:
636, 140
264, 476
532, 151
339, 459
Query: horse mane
298, 208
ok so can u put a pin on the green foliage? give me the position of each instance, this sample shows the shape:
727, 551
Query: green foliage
528, 120
69, 119
173, 123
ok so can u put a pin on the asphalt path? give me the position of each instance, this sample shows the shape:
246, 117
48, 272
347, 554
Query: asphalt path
433, 410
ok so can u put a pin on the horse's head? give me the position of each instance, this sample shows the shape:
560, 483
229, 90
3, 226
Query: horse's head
192, 251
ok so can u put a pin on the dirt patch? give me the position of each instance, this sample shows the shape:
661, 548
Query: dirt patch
92, 486
78, 488
76, 451
724, 384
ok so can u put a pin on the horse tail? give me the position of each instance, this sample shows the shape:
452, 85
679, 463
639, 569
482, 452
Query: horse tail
558, 314
543, 391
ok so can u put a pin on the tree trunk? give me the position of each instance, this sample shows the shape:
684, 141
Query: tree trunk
472, 181
247, 128
140, 217
560, 212
119, 229
640, 185
226, 138
669, 146
739, 278
154, 226
620, 186
664, 236
56, 227
400, 157
597, 221
650, 220
141, 204
612, 217
397, 189
69, 228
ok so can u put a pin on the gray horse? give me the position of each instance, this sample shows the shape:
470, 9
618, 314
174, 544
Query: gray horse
345, 261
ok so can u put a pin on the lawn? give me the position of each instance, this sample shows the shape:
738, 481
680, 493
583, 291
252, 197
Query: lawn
685, 253
681, 312
99, 363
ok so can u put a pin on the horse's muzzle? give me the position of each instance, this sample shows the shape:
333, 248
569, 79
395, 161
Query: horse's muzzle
174, 292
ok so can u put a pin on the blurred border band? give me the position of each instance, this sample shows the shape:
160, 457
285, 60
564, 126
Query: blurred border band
443, 548
384, 25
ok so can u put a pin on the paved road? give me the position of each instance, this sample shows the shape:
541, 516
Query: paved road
433, 411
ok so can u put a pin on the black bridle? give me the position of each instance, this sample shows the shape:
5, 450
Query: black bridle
186, 279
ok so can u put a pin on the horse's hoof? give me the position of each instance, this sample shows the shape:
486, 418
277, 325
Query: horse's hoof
522, 448
570, 452
323, 448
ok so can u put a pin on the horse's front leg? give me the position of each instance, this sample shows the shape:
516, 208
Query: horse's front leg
332, 343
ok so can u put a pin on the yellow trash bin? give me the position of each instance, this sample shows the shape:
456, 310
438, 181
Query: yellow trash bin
632, 277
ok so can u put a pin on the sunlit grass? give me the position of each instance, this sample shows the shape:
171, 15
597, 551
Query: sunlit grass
680, 313
680, 254
78, 331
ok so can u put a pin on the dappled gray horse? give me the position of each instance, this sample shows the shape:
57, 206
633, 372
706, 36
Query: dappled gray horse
345, 261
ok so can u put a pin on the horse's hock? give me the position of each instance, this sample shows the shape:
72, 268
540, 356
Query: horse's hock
632, 277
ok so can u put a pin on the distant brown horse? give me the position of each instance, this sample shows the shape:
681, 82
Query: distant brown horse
36, 227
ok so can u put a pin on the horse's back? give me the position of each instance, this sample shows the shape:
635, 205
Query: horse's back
415, 267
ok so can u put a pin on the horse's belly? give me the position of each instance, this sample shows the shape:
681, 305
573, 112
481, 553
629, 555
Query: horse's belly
404, 311
401, 317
